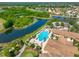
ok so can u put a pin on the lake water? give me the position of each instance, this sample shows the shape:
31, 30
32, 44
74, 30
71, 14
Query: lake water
63, 18
18, 33
59, 17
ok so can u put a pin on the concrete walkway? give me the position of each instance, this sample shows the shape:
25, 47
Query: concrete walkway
21, 50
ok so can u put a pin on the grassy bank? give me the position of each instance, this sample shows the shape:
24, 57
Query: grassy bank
28, 36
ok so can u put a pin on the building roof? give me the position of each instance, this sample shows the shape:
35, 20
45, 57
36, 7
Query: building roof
66, 33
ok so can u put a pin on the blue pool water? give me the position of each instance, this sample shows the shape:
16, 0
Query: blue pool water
43, 36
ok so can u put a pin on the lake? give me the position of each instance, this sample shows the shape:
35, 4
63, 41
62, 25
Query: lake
16, 33
59, 17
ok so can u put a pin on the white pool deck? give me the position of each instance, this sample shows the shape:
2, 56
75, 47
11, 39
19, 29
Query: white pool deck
44, 43
41, 43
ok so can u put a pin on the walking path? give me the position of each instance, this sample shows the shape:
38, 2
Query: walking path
21, 50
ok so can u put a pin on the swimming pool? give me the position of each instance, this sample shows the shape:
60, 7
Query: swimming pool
43, 36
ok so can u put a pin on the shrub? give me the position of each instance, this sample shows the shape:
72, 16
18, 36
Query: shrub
76, 55
32, 45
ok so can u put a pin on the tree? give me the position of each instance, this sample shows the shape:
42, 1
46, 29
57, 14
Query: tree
72, 29
76, 26
76, 55
12, 54
62, 24
32, 45
71, 22
51, 26
8, 24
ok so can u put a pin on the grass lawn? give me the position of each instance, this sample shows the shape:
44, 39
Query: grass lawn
2, 20
1, 24
30, 53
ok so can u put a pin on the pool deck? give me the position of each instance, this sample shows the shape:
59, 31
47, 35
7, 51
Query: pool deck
60, 47
41, 43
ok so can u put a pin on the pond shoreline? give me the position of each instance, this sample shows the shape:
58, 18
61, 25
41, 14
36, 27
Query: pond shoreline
18, 33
